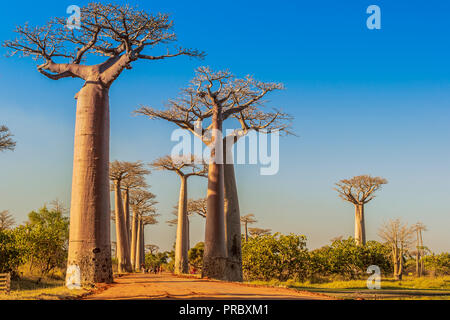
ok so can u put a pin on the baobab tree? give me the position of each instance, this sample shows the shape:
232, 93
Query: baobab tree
184, 167
399, 237
6, 142
258, 232
120, 34
142, 202
246, 220
134, 180
145, 220
216, 97
6, 220
123, 171
152, 248
359, 190
193, 207
419, 227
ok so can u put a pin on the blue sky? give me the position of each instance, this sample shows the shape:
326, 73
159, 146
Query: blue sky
364, 101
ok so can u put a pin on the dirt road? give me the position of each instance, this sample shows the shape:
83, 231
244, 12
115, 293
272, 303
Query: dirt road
167, 286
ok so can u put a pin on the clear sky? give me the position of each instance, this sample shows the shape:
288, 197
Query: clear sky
365, 102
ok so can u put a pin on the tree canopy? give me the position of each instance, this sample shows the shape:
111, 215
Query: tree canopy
121, 33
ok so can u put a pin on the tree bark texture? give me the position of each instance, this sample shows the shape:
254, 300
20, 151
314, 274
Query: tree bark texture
181, 250
126, 210
360, 229
89, 239
138, 246
215, 255
134, 227
123, 254
232, 223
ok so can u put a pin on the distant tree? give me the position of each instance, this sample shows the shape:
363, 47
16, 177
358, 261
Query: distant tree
359, 190
114, 249
337, 238
438, 264
419, 227
58, 205
196, 256
257, 232
155, 260
193, 207
399, 237
184, 167
152, 248
145, 220
134, 180
123, 171
246, 220
142, 203
6, 220
6, 143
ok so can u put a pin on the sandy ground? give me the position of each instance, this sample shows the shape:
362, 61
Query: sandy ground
167, 286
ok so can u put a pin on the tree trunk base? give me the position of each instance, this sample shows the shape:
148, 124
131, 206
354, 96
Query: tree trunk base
234, 271
181, 268
214, 268
94, 263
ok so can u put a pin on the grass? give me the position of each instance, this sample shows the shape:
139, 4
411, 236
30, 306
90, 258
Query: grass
409, 288
46, 289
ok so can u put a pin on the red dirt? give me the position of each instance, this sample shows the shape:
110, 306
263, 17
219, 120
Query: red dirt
169, 287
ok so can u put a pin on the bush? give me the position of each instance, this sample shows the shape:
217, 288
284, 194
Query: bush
439, 264
347, 259
43, 240
11, 255
277, 256
196, 256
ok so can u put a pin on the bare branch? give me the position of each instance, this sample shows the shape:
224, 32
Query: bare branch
6, 142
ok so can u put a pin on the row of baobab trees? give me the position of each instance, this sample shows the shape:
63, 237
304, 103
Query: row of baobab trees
123, 35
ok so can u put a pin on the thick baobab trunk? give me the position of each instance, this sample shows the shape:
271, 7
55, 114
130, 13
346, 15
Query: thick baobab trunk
232, 223
123, 253
398, 263
215, 255
142, 243
89, 239
360, 229
126, 211
134, 227
138, 258
418, 271
181, 250
422, 267
188, 235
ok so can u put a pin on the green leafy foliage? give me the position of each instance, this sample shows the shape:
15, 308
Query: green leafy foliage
11, 255
283, 257
438, 264
349, 260
155, 260
275, 256
44, 239
196, 256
